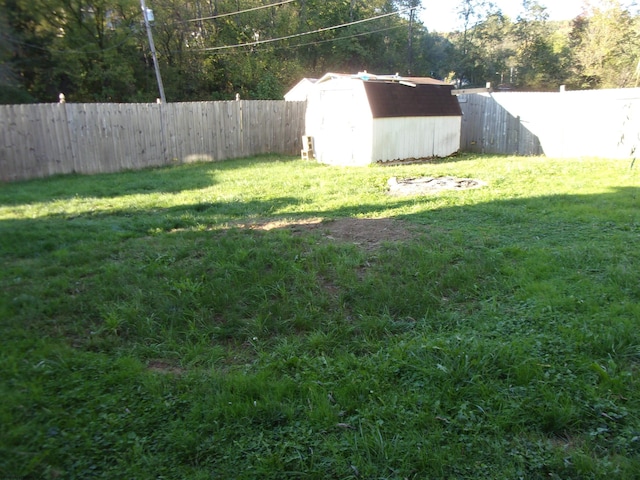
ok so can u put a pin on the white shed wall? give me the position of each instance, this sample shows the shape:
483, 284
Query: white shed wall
340, 122
300, 91
415, 137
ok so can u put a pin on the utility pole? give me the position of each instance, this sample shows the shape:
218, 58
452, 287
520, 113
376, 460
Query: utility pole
410, 47
153, 51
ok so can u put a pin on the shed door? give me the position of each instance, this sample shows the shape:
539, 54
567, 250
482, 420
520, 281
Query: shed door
337, 127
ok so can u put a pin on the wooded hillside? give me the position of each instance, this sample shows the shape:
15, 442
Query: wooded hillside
98, 50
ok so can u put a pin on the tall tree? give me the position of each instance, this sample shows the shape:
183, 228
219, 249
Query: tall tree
97, 50
496, 49
83, 48
606, 42
25, 52
413, 6
536, 62
467, 64
10, 88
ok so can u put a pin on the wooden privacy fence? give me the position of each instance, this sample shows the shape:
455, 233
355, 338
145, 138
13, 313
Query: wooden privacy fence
48, 139
595, 123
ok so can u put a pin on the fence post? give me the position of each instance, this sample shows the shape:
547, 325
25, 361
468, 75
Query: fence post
67, 139
163, 133
518, 127
241, 125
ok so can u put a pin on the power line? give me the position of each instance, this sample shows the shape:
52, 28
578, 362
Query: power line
320, 30
131, 34
346, 37
329, 40
238, 12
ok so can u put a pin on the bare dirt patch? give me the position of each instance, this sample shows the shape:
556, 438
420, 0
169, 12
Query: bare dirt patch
414, 186
367, 233
162, 366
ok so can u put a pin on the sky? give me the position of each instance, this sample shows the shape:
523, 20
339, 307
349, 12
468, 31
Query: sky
440, 16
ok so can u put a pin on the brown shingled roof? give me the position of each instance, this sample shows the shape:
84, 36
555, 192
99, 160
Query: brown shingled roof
428, 98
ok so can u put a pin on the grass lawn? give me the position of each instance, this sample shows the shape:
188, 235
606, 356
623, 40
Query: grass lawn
211, 321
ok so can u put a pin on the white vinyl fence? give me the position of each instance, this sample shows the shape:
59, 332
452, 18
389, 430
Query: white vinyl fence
595, 123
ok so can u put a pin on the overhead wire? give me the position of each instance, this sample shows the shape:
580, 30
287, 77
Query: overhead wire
222, 15
297, 35
248, 44
330, 40
346, 37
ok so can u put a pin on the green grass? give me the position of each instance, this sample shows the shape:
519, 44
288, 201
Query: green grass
148, 333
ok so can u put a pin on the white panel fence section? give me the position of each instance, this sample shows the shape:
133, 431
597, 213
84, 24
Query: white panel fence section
594, 123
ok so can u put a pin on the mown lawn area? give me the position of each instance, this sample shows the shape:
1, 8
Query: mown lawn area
270, 318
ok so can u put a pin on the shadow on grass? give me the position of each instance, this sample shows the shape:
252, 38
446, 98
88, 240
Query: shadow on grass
163, 180
35, 237
477, 327
535, 217
214, 270
173, 179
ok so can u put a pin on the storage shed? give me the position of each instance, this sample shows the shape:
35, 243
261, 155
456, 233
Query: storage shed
300, 90
365, 118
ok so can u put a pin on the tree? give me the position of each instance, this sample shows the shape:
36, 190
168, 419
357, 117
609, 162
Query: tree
435, 53
10, 88
85, 49
497, 49
25, 57
468, 64
539, 66
97, 50
413, 6
606, 42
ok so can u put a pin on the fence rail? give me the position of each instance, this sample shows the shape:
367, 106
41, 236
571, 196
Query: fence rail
48, 139
597, 123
